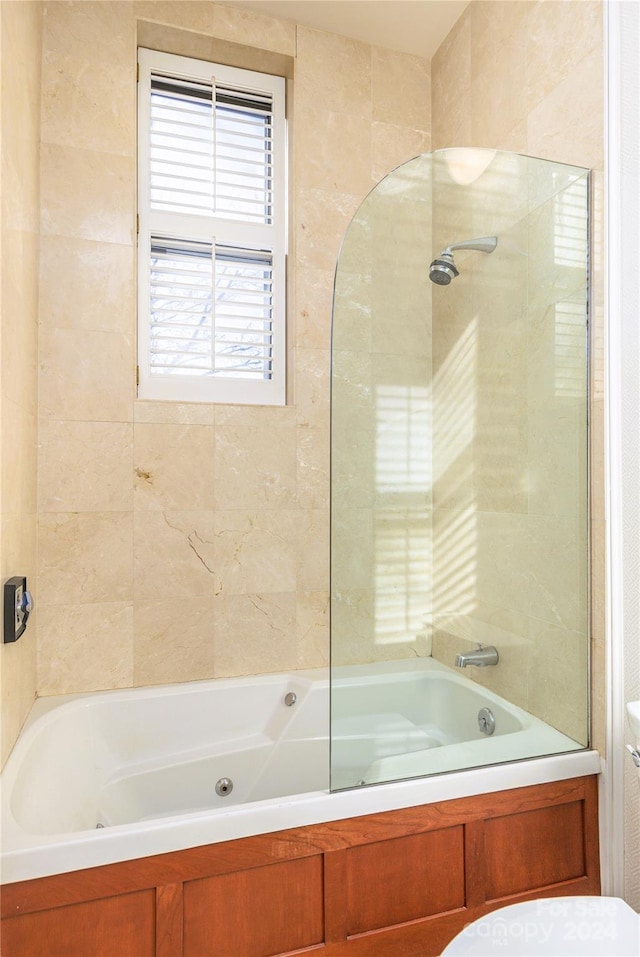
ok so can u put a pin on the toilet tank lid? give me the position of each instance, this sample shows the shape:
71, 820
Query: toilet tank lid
553, 927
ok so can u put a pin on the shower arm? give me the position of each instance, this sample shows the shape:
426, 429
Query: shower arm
485, 244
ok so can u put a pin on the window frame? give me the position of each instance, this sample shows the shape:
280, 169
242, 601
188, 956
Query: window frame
213, 228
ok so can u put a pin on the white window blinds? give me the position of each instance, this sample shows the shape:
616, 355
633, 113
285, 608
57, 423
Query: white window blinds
212, 232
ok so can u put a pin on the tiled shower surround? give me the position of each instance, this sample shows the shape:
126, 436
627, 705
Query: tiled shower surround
178, 542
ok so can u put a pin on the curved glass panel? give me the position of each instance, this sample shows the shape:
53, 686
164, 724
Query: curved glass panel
459, 469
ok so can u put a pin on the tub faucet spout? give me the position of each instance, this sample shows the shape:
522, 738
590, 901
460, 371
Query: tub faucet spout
480, 657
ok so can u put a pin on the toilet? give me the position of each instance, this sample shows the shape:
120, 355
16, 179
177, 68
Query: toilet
553, 927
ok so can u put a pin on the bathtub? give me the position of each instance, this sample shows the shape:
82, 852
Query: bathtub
113, 776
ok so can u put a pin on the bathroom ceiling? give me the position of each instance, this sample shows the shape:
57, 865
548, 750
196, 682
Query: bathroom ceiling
410, 26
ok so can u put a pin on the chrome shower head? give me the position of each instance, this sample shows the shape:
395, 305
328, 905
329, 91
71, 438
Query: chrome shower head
443, 269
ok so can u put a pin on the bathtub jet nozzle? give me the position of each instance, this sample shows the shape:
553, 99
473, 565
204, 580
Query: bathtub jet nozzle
224, 787
481, 657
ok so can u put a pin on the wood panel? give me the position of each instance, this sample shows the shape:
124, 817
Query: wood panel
376, 878
257, 912
169, 920
335, 896
403, 879
122, 926
534, 849
175, 866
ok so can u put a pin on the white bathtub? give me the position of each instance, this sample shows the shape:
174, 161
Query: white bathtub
113, 776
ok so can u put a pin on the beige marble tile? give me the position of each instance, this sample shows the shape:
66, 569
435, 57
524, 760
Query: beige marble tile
259, 633
312, 543
322, 159
19, 333
173, 554
173, 466
85, 557
353, 628
19, 547
392, 145
352, 556
557, 559
105, 29
353, 454
18, 460
98, 290
322, 220
451, 88
481, 556
312, 475
84, 466
314, 302
22, 28
351, 328
559, 35
85, 647
196, 15
558, 679
566, 126
357, 249
21, 42
449, 132
87, 103
312, 629
254, 468
400, 89
256, 550
496, 24
255, 29
87, 195
400, 313
312, 387
352, 392
339, 66
557, 361
86, 375
555, 437
20, 195
453, 480
498, 88
264, 417
173, 640
173, 413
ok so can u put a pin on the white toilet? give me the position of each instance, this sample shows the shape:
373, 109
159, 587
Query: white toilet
558, 926
553, 927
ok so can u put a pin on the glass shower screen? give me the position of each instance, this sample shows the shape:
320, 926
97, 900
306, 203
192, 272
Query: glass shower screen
459, 506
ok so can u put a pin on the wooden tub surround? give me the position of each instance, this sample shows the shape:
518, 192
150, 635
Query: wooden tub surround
395, 884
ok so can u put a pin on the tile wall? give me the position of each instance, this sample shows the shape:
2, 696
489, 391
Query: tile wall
21, 35
145, 576
381, 425
529, 77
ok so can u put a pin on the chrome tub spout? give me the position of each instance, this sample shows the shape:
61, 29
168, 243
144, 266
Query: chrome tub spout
481, 657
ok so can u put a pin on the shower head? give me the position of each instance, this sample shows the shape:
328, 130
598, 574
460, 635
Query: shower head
443, 269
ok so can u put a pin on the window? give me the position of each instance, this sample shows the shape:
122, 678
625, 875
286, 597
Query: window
211, 233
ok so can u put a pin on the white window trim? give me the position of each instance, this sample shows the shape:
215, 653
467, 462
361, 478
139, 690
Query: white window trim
209, 229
